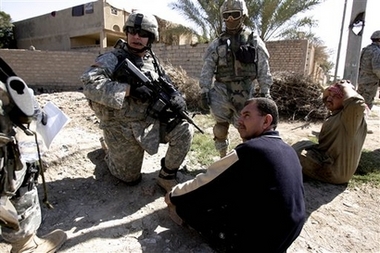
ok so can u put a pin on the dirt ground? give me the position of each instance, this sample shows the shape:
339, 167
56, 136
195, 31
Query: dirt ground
100, 213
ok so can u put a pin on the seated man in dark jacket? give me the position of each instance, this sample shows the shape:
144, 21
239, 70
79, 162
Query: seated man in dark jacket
252, 199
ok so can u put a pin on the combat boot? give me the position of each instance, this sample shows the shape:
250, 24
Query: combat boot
167, 178
223, 152
49, 243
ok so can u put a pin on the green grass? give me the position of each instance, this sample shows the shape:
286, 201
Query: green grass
368, 170
203, 153
204, 149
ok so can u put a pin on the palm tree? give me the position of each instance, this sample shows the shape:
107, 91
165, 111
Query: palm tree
269, 17
274, 17
203, 14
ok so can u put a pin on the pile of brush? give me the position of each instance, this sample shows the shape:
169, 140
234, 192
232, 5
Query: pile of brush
297, 97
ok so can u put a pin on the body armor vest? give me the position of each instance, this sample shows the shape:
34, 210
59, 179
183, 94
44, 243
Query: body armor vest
230, 69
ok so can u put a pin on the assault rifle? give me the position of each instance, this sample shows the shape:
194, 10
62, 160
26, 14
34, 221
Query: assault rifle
163, 90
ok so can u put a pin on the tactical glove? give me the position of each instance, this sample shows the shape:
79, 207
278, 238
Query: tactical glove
44, 118
246, 54
177, 102
142, 93
204, 103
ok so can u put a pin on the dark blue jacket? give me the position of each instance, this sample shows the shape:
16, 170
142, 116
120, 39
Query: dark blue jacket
252, 200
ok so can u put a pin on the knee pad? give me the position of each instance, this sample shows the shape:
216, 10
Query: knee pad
221, 130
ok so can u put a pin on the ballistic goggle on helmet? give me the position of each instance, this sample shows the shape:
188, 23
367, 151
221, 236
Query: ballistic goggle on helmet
233, 13
143, 24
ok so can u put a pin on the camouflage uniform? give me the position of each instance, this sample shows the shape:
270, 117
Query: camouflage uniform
25, 201
127, 129
20, 211
369, 72
234, 81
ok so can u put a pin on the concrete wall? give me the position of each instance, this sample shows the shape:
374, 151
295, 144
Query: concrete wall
53, 70
61, 70
295, 56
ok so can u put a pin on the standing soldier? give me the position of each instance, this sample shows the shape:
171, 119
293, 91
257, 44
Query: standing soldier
369, 70
126, 108
236, 59
20, 211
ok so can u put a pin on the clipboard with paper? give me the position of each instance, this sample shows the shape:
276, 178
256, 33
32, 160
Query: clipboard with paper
57, 120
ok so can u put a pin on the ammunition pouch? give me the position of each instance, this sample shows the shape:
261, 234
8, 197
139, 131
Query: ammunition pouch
30, 179
102, 112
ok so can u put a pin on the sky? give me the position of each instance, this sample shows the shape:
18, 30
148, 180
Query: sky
329, 15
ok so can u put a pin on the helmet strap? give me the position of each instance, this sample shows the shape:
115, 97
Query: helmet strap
138, 51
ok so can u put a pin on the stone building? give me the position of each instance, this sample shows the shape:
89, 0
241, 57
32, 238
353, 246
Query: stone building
96, 25
69, 39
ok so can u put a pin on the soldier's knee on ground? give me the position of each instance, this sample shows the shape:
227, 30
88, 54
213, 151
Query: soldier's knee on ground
131, 177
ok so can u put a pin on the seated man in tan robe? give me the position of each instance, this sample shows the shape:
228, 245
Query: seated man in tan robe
336, 156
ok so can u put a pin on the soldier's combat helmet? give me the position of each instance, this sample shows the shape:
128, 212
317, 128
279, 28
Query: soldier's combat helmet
233, 13
142, 23
375, 35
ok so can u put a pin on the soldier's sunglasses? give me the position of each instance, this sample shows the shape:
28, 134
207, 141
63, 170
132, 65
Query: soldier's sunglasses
141, 33
233, 14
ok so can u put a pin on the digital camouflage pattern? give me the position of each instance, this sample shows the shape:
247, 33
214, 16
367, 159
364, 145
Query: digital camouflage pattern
234, 81
218, 55
369, 72
25, 202
148, 23
127, 129
29, 211
230, 6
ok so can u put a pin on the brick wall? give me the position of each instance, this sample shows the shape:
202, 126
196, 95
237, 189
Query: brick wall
189, 58
50, 69
289, 55
61, 70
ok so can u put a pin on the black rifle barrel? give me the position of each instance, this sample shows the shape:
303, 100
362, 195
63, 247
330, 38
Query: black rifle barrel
146, 81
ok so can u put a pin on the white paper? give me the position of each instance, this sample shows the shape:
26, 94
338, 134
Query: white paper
56, 120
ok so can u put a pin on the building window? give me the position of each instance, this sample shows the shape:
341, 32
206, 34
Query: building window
116, 28
113, 11
77, 11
